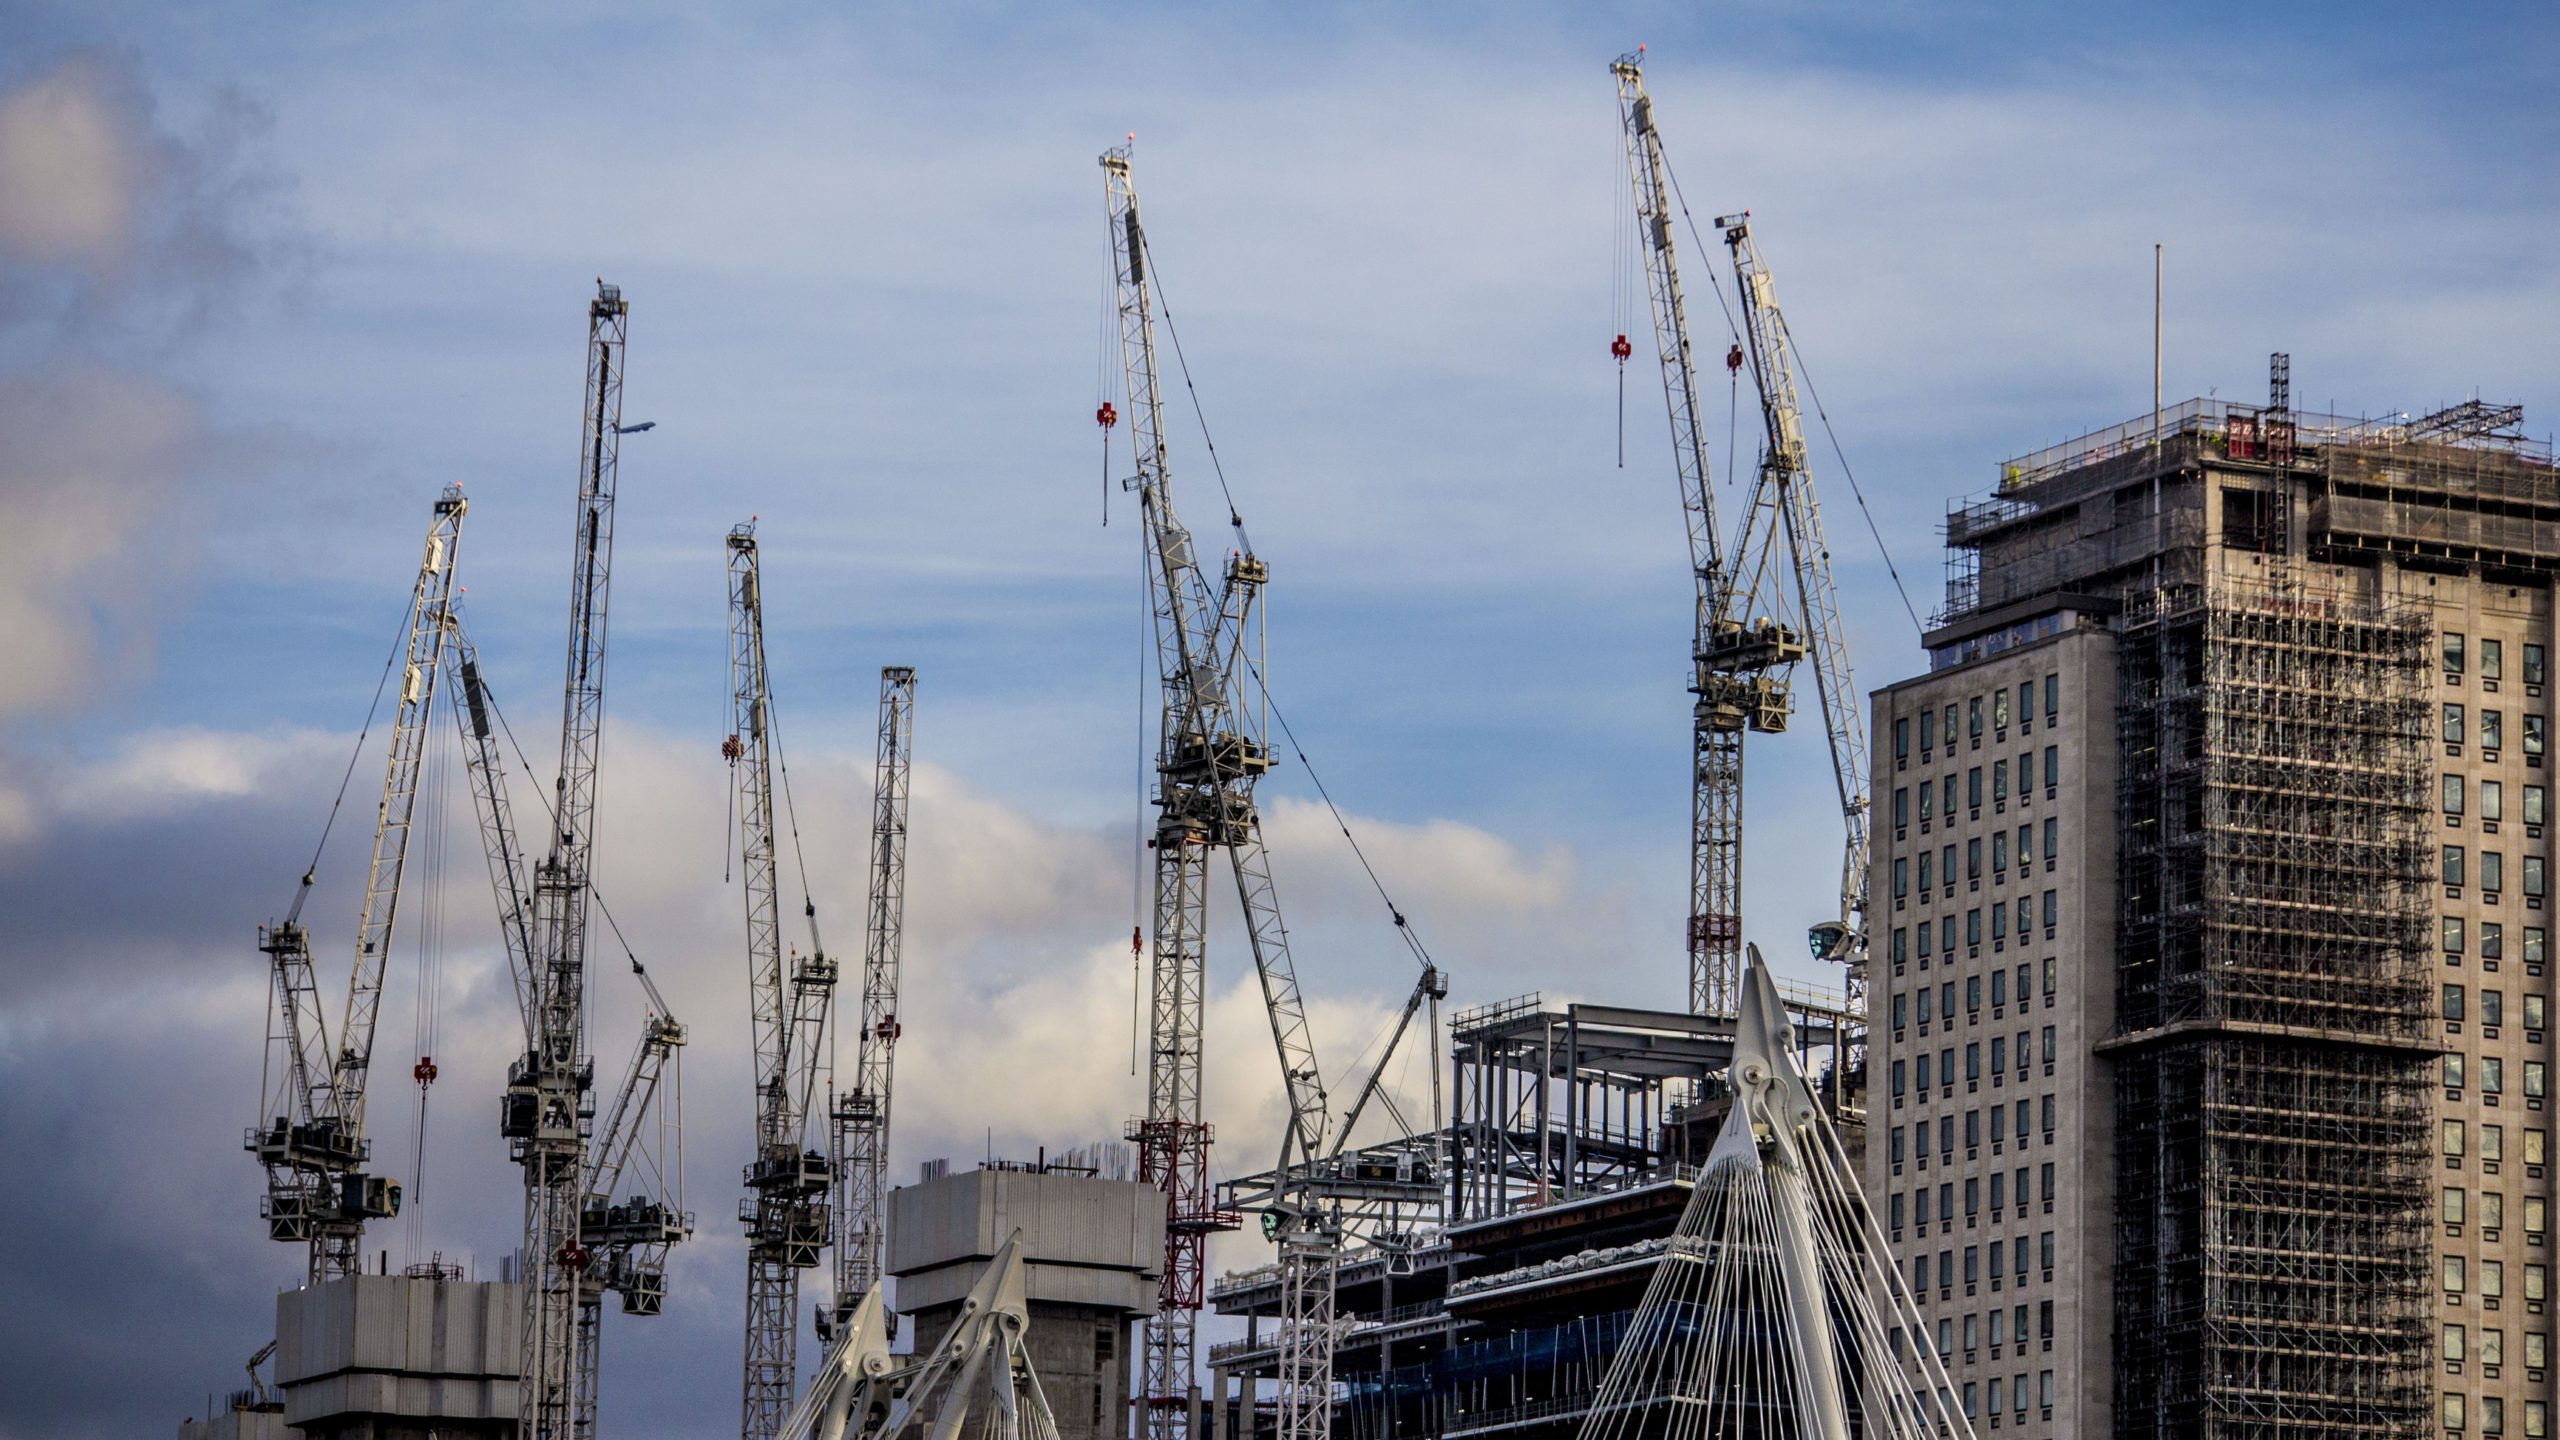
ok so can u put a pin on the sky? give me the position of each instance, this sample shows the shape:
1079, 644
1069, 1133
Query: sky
271, 276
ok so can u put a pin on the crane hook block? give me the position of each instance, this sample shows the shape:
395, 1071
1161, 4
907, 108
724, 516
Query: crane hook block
1106, 417
1733, 358
1620, 348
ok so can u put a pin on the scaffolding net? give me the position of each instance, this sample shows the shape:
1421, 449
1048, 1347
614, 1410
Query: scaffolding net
2272, 1051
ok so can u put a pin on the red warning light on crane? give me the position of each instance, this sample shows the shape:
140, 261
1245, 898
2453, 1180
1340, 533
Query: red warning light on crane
1106, 417
1620, 348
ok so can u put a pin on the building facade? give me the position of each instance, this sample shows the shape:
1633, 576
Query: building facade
2223, 798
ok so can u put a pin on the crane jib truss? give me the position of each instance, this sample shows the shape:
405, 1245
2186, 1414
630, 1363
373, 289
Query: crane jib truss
785, 1209
310, 1139
548, 1112
861, 1114
1210, 753
1759, 611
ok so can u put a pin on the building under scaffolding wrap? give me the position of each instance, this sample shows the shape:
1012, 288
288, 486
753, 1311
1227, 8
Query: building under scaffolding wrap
2212, 1004
2274, 1164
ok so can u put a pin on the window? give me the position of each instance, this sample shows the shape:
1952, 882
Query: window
2452, 868
1973, 787
2537, 733
2493, 1347
1947, 858
1999, 1126
2045, 1106
2537, 1350
1946, 1125
2493, 1408
1973, 927
2044, 1378
2533, 934
2493, 1007
2454, 1197
1973, 719
2052, 766
1923, 1062
1901, 947
2533, 875
1922, 945
1999, 992
2537, 1215
1972, 1066
2533, 1147
2453, 652
1901, 877
1972, 995
2026, 842
2493, 871
1898, 1075
2453, 1070
2452, 928
2044, 1250
1924, 874
2493, 1143
2455, 1278
1972, 1389
2050, 913
1947, 796
1902, 742
2048, 1049
1928, 732
2026, 703
2537, 1281
2453, 1004
2048, 983
2493, 729
1951, 725
2493, 1210
2453, 1419
2451, 732
1972, 1276
2000, 709
1972, 1187
2493, 1279
2000, 781
2491, 792
1928, 810
2493, 941
2453, 1348
2453, 794
1897, 1198
2533, 804
1999, 921
2533, 1012
2052, 697
2533, 664
2453, 1138
2492, 659
1901, 807
2000, 853
2537, 1079
2044, 1191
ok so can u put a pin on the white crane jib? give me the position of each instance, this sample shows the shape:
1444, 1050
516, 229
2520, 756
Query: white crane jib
310, 1139
785, 1209
861, 1131
1209, 755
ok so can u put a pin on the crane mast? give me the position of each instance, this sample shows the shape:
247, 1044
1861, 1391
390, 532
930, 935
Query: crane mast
1739, 660
861, 1132
785, 1210
1210, 753
311, 1137
1785, 510
625, 1241
548, 1112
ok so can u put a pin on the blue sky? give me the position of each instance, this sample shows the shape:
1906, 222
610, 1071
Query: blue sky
345, 258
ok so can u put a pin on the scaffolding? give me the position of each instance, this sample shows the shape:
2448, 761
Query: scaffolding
2273, 1252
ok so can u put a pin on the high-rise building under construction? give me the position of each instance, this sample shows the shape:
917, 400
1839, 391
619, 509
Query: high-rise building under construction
2210, 1047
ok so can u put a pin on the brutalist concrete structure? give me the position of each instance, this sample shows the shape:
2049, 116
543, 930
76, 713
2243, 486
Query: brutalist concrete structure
1093, 1252
398, 1357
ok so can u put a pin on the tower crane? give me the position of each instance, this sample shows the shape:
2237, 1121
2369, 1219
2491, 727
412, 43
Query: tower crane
1783, 513
549, 1110
623, 1243
861, 1116
1740, 661
785, 1210
1210, 753
311, 1138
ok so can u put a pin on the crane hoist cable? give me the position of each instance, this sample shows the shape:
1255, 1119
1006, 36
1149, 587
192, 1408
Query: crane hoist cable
391, 662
